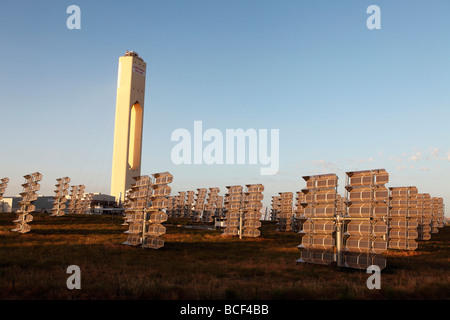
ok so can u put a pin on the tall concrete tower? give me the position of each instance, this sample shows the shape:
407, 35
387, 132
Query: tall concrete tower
128, 125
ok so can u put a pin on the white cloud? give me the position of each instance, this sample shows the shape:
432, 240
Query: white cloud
395, 158
326, 166
416, 156
425, 169
435, 153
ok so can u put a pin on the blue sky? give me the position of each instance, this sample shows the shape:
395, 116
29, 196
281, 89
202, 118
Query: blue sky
343, 97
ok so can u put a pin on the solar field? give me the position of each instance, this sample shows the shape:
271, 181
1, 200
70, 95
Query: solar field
198, 264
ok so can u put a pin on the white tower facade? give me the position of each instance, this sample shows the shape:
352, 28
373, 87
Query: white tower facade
128, 127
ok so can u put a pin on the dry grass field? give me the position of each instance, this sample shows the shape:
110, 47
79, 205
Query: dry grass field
198, 265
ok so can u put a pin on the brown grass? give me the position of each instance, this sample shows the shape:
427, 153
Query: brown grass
198, 264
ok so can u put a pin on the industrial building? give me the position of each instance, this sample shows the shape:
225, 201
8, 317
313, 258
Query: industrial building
45, 203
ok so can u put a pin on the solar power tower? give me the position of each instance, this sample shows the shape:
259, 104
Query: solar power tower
251, 207
26, 207
60, 197
424, 216
3, 186
128, 127
145, 215
403, 218
232, 205
365, 229
285, 214
317, 210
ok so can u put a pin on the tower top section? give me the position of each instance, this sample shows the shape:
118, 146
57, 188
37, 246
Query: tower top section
132, 54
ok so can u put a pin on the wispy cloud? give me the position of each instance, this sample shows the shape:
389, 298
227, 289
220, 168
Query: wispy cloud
433, 156
417, 155
326, 166
398, 158
434, 153
339, 165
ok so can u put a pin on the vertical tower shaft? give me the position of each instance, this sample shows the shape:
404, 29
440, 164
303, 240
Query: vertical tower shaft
127, 150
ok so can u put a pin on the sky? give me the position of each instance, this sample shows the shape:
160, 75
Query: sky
343, 97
